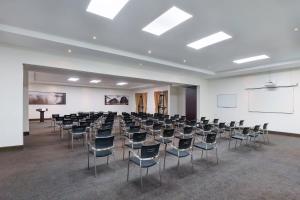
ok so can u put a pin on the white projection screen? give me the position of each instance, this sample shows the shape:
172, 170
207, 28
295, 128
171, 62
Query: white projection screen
271, 100
227, 101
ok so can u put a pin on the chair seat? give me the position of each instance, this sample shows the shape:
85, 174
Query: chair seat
239, 137
134, 146
144, 163
103, 153
204, 146
164, 141
78, 133
174, 152
253, 134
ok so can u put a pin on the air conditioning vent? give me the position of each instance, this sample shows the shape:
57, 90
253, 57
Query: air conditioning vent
270, 84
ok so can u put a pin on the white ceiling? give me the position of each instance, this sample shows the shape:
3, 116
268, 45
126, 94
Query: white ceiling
257, 27
55, 76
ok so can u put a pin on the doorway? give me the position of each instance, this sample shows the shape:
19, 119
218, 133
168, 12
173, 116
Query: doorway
191, 103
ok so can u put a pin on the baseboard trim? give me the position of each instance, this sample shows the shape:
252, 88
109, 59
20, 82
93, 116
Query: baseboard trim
284, 133
11, 148
31, 120
26, 133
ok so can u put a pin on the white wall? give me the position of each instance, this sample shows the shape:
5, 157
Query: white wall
237, 85
11, 81
150, 97
80, 99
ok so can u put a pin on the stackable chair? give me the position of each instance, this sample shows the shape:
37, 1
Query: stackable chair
220, 129
148, 124
78, 132
254, 134
155, 130
104, 132
240, 136
208, 143
215, 122
183, 149
148, 157
230, 128
135, 142
166, 138
53, 121
65, 126
265, 133
102, 147
240, 125
207, 128
57, 122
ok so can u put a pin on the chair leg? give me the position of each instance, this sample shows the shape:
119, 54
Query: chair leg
178, 162
202, 154
268, 136
235, 144
88, 158
141, 176
192, 161
229, 143
165, 156
217, 155
107, 160
147, 171
72, 139
128, 168
159, 171
95, 166
206, 154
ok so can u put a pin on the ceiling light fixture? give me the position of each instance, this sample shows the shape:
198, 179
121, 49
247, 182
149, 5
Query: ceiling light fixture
73, 79
184, 61
122, 83
296, 29
149, 51
209, 40
168, 20
95, 81
94, 37
106, 8
251, 59
69, 51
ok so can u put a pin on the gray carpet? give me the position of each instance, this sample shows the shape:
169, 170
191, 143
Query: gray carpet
47, 169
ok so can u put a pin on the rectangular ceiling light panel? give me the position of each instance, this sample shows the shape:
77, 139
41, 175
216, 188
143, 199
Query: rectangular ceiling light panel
168, 20
209, 40
251, 59
106, 8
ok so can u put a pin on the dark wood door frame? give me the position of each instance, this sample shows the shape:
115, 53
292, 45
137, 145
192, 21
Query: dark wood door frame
191, 103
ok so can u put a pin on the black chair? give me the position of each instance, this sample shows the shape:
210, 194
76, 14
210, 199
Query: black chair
220, 128
53, 120
103, 132
168, 123
148, 124
255, 133
78, 132
102, 147
241, 124
240, 136
215, 122
202, 119
135, 142
208, 143
166, 138
149, 157
264, 131
187, 132
230, 128
156, 130
65, 126
183, 149
207, 128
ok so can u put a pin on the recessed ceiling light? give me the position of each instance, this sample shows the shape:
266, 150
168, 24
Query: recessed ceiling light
149, 51
209, 40
106, 8
73, 79
296, 29
251, 59
95, 81
168, 20
94, 37
184, 61
69, 51
122, 83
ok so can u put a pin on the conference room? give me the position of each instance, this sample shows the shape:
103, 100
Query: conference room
137, 99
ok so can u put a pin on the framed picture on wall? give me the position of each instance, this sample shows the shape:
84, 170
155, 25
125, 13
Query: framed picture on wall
116, 100
47, 98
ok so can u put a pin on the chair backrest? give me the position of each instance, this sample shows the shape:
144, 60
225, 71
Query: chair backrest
256, 128
176, 116
216, 121
232, 124
202, 119
168, 133
78, 129
67, 116
130, 124
150, 151
59, 119
241, 123
205, 121
54, 116
139, 137
149, 122
168, 121
222, 125
133, 129
211, 138
104, 132
67, 122
104, 142
207, 127
265, 126
185, 143
156, 126
84, 123
246, 131
187, 130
